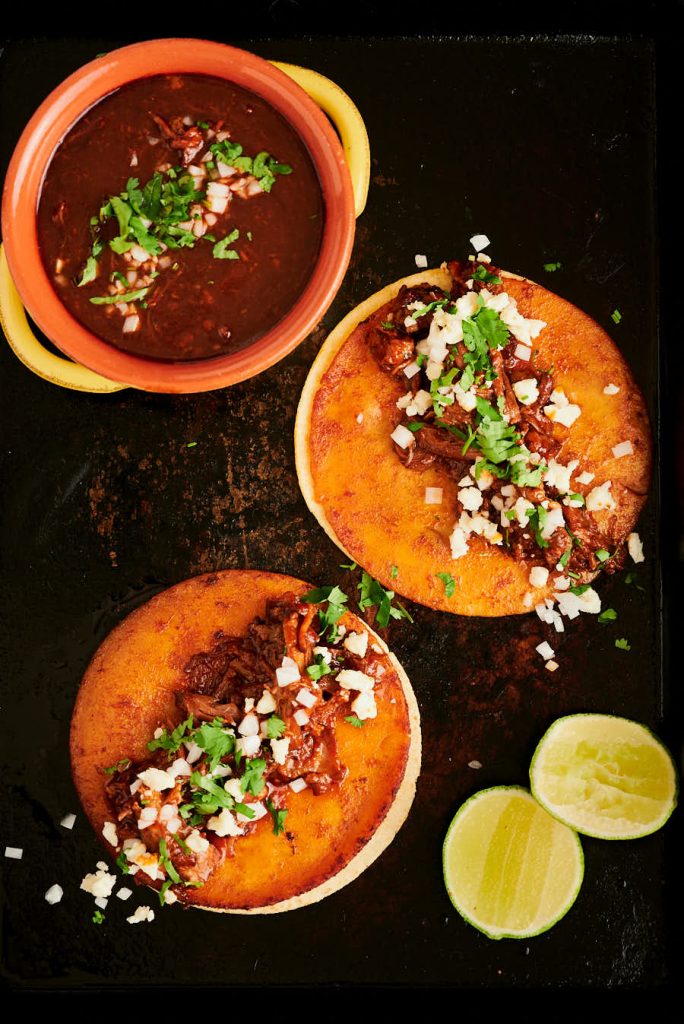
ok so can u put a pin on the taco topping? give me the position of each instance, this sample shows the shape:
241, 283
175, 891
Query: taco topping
481, 406
257, 723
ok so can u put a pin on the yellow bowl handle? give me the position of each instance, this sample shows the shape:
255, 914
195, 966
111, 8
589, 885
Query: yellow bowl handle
346, 118
26, 346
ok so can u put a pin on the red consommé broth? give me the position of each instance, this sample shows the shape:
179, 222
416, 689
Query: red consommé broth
197, 305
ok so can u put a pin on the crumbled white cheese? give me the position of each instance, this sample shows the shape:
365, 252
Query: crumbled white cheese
482, 257
280, 749
545, 650
558, 476
485, 480
521, 328
224, 824
324, 653
266, 703
480, 242
402, 436
585, 478
180, 767
539, 576
288, 672
611, 389
196, 842
100, 882
554, 521
470, 498
248, 745
351, 679
194, 752
55, 892
521, 507
364, 706
68, 821
249, 726
249, 704
522, 352
421, 261
141, 914
601, 498
635, 547
466, 399
357, 643
411, 370
306, 698
622, 449
109, 832
156, 779
458, 543
148, 816
526, 391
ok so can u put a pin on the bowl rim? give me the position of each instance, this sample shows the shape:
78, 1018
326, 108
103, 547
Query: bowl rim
57, 114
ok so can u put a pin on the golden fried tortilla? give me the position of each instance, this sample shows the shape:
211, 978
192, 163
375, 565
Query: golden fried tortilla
128, 690
374, 508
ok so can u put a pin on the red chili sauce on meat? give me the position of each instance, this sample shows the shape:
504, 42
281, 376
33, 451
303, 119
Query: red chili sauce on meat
188, 209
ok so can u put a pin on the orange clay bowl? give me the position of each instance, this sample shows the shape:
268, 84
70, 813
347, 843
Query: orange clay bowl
64, 107
128, 690
374, 508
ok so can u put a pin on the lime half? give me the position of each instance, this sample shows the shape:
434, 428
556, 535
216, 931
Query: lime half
604, 776
510, 869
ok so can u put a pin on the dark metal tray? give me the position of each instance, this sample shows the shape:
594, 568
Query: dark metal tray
548, 146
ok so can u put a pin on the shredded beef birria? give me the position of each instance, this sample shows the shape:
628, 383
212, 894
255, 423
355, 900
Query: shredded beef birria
253, 726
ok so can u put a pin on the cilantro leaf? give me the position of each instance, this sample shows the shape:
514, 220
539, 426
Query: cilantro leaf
336, 600
319, 668
449, 583
172, 741
89, 271
122, 863
120, 766
623, 644
275, 727
482, 274
551, 267
608, 615
252, 780
537, 519
221, 250
108, 300
98, 917
215, 740
353, 720
373, 594
278, 817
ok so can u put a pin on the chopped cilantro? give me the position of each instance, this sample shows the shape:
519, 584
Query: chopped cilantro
319, 668
163, 891
336, 599
167, 863
394, 572
577, 497
622, 644
449, 583
387, 325
172, 741
120, 766
183, 845
89, 271
203, 125
207, 798
373, 594
602, 555
98, 917
191, 444
631, 580
275, 727
353, 720
416, 426
221, 250
252, 780
616, 316
580, 589
122, 863
108, 300
608, 615
551, 267
430, 308
482, 274
348, 565
278, 817
565, 558
537, 519
213, 738
245, 810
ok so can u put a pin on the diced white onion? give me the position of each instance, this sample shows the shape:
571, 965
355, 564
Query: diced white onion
288, 672
545, 650
301, 717
635, 547
433, 495
479, 242
297, 785
402, 436
421, 261
68, 821
14, 852
539, 576
611, 389
622, 449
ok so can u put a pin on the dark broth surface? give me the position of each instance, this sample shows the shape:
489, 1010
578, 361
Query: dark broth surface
196, 305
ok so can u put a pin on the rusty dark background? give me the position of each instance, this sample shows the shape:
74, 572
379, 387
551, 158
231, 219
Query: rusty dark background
548, 146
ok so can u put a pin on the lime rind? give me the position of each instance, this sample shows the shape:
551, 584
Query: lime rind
580, 826
480, 926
